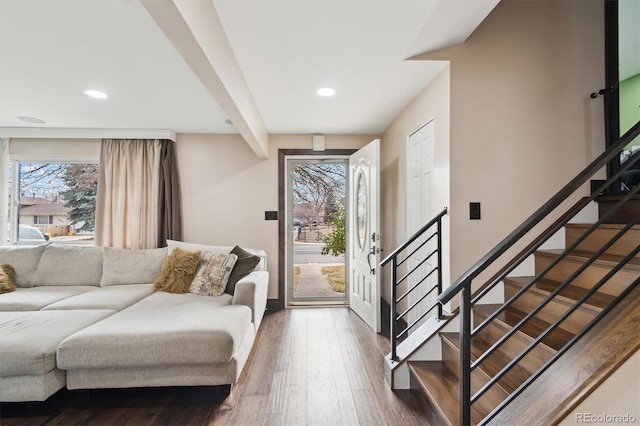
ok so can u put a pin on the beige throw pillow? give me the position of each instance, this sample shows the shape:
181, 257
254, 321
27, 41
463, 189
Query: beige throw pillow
213, 274
177, 271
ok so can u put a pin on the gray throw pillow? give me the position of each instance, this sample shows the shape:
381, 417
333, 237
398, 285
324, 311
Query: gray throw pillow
244, 265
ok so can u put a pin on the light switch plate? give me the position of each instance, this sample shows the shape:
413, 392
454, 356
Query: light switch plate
474, 211
271, 215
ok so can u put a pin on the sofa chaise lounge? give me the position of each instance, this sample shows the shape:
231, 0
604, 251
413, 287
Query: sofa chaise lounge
90, 317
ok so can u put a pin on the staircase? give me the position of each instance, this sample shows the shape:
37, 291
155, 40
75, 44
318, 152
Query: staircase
528, 349
439, 380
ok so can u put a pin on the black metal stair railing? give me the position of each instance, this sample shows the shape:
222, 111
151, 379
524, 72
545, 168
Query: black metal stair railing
416, 278
526, 235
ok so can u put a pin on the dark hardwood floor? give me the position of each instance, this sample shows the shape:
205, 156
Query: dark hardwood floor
310, 366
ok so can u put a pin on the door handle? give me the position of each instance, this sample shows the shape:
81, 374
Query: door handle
372, 252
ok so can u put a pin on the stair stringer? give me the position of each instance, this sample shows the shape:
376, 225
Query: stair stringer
424, 344
560, 389
608, 397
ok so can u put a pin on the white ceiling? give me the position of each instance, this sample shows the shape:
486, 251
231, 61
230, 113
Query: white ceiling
285, 49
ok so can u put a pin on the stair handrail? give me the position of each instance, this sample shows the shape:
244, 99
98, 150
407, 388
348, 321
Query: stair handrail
393, 258
414, 237
481, 265
463, 285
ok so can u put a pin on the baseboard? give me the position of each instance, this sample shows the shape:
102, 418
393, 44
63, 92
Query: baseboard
273, 305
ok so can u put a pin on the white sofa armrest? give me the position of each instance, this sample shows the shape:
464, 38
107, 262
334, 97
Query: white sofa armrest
252, 292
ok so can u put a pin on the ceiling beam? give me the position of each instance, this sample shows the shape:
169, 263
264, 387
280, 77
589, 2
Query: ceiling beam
195, 30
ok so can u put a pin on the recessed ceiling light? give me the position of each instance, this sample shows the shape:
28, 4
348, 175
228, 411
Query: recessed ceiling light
95, 94
326, 91
28, 119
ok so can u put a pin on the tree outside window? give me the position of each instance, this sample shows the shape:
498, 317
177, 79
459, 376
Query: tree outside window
319, 199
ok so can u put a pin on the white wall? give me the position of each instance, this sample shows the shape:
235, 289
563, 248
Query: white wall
226, 189
52, 148
522, 123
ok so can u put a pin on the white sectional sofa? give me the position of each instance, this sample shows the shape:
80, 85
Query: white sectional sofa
89, 317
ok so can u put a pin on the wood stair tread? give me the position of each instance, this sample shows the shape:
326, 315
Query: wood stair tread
442, 386
591, 240
601, 226
532, 328
570, 293
603, 198
492, 365
608, 260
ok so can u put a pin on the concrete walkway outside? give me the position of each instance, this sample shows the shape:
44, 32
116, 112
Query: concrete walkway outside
311, 282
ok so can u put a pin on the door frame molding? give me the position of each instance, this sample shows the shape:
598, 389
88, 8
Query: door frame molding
282, 154
611, 98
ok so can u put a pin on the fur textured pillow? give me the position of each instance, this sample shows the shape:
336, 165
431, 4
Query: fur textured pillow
7, 274
213, 274
177, 271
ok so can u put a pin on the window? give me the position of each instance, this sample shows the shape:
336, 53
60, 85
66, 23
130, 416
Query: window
43, 220
55, 199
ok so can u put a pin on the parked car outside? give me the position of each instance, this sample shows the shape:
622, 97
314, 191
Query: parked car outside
29, 236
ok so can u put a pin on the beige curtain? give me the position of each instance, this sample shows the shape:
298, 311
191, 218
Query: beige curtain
128, 193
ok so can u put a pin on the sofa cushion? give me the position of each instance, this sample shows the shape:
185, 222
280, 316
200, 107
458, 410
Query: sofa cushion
24, 260
261, 266
124, 266
69, 265
177, 271
36, 298
27, 388
213, 274
116, 298
30, 339
162, 329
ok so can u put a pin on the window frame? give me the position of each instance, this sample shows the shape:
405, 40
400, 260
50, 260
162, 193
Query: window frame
14, 191
49, 220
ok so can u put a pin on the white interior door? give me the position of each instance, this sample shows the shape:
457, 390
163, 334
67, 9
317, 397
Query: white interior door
364, 237
419, 193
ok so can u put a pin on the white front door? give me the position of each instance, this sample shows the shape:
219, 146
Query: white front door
364, 234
